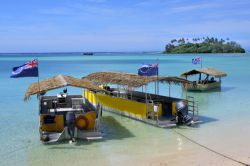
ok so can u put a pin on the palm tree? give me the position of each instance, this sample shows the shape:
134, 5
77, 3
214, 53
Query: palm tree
222, 40
173, 41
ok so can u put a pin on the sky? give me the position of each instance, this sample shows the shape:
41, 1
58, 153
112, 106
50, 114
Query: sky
117, 25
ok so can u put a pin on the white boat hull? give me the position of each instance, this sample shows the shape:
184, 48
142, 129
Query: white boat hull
79, 134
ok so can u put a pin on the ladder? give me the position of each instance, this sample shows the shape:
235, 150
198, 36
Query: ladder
193, 107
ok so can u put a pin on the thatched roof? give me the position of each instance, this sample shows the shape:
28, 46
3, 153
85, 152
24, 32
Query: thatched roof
58, 82
130, 80
209, 71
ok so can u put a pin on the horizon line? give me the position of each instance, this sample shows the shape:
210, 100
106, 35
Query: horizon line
59, 52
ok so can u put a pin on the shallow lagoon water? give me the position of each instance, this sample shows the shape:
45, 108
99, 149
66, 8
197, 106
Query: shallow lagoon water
225, 115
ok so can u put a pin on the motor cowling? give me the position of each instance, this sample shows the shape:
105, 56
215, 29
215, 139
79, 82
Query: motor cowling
182, 116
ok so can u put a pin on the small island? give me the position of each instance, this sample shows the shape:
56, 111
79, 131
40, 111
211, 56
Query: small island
203, 45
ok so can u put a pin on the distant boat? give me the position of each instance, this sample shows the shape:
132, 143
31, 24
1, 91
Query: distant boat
206, 84
88, 53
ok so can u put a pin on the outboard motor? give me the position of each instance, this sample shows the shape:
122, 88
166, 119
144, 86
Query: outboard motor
182, 116
70, 121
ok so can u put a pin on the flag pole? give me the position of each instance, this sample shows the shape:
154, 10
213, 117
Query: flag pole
201, 61
155, 88
38, 79
157, 76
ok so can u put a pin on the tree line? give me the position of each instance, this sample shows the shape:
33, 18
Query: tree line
203, 45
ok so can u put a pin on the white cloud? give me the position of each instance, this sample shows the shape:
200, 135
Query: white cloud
192, 7
57, 11
80, 10
97, 1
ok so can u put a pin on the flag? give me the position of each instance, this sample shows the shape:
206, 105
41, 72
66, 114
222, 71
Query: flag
196, 61
148, 70
29, 69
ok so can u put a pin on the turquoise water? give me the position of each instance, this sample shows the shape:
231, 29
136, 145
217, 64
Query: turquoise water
225, 115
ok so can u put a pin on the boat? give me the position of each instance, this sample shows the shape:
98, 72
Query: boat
122, 97
64, 116
211, 81
88, 53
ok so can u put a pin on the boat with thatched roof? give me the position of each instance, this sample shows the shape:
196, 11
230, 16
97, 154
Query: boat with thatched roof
65, 116
122, 96
209, 82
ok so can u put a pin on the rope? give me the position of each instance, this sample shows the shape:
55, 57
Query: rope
17, 149
211, 150
191, 140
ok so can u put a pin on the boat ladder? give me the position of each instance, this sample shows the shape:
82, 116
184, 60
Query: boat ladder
193, 107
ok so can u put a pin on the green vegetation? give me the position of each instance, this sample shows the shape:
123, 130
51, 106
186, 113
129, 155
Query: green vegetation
203, 45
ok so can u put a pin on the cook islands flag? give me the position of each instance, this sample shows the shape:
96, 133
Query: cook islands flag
29, 69
148, 70
196, 61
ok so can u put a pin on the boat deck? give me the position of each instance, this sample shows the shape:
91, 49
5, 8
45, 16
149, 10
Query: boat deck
166, 102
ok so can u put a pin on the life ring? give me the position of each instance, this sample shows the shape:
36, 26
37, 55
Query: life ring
81, 122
